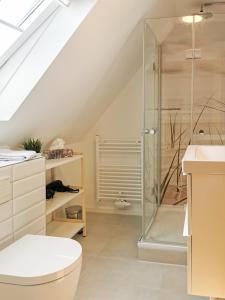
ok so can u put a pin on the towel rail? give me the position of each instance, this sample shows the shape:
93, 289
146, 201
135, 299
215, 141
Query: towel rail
118, 170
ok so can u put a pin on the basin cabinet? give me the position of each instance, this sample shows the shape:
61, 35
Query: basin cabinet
205, 221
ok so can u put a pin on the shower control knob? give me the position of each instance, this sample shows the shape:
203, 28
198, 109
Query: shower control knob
152, 131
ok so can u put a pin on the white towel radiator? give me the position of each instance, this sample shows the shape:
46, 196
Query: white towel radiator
119, 173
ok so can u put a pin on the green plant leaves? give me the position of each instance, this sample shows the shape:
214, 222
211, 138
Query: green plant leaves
32, 144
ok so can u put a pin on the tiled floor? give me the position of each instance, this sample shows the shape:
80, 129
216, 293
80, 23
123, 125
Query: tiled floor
111, 270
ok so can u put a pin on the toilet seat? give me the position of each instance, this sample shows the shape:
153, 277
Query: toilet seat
36, 259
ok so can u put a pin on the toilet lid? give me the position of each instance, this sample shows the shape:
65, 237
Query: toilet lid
37, 259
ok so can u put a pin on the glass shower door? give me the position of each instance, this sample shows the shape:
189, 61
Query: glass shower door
151, 133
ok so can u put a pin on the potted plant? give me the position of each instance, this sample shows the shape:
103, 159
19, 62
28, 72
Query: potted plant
32, 144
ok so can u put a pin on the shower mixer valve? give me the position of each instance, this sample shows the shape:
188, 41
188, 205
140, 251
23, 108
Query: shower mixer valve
151, 131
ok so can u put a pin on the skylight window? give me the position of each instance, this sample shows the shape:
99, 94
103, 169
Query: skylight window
19, 19
8, 37
15, 12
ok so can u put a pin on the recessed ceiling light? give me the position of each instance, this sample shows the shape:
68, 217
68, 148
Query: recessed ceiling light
192, 19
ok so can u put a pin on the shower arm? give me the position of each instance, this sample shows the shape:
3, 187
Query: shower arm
211, 4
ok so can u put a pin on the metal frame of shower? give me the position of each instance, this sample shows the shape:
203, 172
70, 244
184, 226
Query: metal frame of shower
158, 131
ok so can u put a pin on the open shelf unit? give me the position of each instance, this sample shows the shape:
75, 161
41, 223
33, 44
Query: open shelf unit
62, 227
54, 163
59, 200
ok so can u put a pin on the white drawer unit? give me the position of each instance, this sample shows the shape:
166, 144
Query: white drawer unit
28, 200
26, 217
38, 225
28, 168
22, 200
5, 211
205, 222
28, 184
6, 228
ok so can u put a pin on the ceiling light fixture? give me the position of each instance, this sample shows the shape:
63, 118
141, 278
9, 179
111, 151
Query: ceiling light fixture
192, 19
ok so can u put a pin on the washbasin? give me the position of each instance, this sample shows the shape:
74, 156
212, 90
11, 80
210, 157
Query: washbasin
204, 158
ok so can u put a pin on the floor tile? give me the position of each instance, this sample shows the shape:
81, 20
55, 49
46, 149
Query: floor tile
111, 270
174, 278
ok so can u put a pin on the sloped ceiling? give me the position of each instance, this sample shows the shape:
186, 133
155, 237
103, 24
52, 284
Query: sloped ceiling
84, 79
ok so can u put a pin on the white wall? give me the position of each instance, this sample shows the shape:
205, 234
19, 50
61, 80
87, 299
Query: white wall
64, 96
74, 85
122, 119
86, 76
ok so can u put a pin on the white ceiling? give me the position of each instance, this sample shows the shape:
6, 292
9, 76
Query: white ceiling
175, 8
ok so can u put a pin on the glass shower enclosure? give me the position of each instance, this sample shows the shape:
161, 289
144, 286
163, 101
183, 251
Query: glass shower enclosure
151, 127
184, 103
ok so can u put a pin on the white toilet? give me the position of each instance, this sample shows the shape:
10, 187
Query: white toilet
40, 268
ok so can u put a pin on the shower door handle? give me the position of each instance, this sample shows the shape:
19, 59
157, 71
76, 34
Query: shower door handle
151, 131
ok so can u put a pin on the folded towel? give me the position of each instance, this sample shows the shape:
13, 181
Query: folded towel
17, 155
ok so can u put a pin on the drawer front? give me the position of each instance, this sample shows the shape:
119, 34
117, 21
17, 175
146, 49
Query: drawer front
6, 228
28, 168
26, 217
6, 242
28, 200
5, 211
28, 184
6, 172
5, 189
35, 227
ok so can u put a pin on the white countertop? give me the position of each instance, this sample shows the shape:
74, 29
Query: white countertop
208, 159
14, 162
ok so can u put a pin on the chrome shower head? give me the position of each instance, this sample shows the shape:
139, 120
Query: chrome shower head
205, 15
198, 16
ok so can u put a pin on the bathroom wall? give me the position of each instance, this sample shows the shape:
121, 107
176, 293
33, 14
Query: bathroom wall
81, 82
121, 120
76, 80
184, 122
